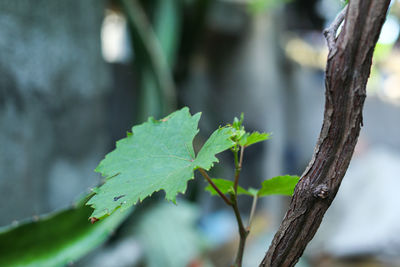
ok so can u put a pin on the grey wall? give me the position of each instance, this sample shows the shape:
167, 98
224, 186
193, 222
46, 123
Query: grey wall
53, 85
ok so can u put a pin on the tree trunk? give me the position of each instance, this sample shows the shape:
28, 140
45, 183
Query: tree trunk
347, 72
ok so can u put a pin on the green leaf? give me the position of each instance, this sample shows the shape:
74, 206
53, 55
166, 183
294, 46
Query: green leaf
255, 137
219, 141
226, 186
157, 156
279, 185
237, 124
55, 239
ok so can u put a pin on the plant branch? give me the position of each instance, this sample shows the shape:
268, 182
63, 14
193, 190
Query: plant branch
205, 175
253, 210
238, 167
243, 232
241, 156
347, 73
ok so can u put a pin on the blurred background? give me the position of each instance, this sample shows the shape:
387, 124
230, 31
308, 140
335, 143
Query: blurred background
76, 75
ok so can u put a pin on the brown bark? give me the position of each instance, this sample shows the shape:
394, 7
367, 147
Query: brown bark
347, 72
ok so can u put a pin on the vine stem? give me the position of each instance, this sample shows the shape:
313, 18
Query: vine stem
253, 210
243, 232
238, 167
207, 177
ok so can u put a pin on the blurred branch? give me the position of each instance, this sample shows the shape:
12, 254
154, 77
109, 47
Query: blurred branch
347, 73
193, 30
153, 51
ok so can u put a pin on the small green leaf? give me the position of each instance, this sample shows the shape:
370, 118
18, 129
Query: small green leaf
237, 124
219, 141
254, 137
225, 186
279, 185
237, 128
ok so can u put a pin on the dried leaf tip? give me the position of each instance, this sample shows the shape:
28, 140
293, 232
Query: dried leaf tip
93, 220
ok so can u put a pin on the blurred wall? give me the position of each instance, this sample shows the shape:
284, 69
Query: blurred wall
241, 67
53, 83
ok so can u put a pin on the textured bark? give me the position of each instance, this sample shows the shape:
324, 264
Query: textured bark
347, 72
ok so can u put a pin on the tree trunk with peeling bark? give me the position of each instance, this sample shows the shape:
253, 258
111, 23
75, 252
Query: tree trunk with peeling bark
347, 72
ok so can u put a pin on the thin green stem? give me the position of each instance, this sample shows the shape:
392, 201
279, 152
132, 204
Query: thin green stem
241, 156
238, 167
235, 154
253, 210
243, 232
205, 175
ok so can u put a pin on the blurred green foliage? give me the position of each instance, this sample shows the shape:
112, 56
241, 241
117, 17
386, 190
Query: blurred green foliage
257, 6
55, 239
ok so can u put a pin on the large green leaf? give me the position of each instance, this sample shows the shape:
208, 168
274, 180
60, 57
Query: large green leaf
55, 239
158, 155
279, 185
